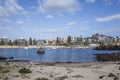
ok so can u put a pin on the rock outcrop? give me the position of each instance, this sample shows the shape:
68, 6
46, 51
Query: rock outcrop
108, 47
108, 57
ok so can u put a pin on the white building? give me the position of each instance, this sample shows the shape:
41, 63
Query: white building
22, 41
4, 39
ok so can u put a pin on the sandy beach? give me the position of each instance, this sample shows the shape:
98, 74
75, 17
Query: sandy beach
60, 71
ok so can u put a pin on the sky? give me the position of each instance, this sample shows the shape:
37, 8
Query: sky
43, 18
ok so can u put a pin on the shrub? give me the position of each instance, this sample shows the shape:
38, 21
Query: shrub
77, 76
62, 78
4, 71
42, 79
24, 70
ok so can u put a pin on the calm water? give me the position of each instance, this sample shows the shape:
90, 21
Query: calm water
53, 55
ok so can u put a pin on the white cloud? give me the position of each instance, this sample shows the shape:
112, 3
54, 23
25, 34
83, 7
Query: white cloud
60, 14
107, 2
3, 12
71, 23
5, 20
112, 29
84, 28
49, 16
90, 1
108, 18
6, 28
47, 30
10, 7
58, 6
20, 22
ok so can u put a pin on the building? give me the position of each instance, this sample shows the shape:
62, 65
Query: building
48, 40
4, 40
102, 39
22, 41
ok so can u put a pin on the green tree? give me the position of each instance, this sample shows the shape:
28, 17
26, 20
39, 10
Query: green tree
30, 41
2, 42
26, 43
69, 38
10, 43
57, 41
15, 42
34, 42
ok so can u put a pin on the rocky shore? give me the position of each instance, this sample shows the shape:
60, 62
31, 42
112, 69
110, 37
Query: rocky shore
108, 57
108, 47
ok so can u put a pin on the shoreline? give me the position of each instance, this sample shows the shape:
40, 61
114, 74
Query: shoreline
38, 62
52, 47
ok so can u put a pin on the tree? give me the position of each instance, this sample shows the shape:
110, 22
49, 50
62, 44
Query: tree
30, 41
15, 42
87, 42
26, 44
57, 41
10, 43
2, 42
34, 42
69, 38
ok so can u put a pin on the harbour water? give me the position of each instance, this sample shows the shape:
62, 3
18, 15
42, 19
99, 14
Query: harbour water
53, 55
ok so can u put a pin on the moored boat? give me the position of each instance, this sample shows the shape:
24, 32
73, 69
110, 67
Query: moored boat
40, 51
25, 47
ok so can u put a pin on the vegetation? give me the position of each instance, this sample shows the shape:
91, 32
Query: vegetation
7, 63
69, 39
34, 42
2, 42
57, 41
77, 76
62, 78
30, 41
4, 71
42, 79
10, 43
25, 71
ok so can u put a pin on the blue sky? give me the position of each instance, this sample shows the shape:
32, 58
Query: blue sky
42, 18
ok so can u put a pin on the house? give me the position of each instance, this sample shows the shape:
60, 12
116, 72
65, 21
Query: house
22, 41
4, 40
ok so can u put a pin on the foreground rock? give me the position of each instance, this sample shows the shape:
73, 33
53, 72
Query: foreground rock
3, 58
108, 57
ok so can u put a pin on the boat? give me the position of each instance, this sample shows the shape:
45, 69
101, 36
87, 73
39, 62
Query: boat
54, 47
40, 51
25, 47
